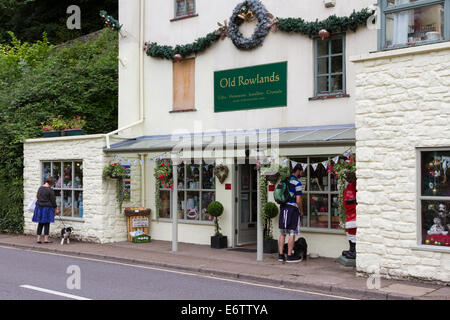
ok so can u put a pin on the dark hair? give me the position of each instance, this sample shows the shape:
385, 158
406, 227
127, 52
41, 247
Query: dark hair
50, 180
297, 167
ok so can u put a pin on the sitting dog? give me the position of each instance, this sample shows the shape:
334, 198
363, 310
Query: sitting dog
300, 248
65, 234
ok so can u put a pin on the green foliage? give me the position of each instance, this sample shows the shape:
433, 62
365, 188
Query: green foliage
168, 52
39, 82
215, 209
332, 24
268, 212
28, 19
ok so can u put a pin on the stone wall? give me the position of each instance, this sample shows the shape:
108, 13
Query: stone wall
403, 103
102, 221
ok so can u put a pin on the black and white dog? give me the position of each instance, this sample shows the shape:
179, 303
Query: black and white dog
65, 234
300, 249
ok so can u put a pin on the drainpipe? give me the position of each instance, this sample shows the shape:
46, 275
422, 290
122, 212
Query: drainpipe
140, 75
142, 160
259, 228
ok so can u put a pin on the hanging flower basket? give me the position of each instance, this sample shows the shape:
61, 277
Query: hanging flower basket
114, 171
163, 173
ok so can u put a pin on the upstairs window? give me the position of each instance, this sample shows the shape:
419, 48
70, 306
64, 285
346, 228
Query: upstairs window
329, 65
184, 85
413, 22
184, 8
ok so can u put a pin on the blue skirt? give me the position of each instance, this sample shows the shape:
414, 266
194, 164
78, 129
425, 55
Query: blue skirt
43, 214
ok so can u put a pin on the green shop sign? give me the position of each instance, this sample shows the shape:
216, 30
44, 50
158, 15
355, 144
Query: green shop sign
262, 86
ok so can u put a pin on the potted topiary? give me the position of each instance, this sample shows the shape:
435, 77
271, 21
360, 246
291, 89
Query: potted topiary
269, 211
218, 241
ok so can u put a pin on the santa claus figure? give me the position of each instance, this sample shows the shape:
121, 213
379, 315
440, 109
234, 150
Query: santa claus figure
350, 220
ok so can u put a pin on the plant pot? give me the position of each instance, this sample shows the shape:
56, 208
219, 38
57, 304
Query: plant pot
49, 134
219, 242
73, 132
270, 246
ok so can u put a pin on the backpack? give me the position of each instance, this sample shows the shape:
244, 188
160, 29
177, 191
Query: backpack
281, 193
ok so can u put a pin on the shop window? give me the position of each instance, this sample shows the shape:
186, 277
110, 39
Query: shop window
196, 190
329, 65
184, 85
413, 22
68, 185
184, 8
435, 197
319, 195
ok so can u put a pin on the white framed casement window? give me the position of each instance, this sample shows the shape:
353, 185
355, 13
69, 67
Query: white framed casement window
184, 8
68, 175
329, 66
196, 190
433, 206
407, 23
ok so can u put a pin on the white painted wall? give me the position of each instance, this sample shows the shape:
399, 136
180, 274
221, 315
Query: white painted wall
296, 49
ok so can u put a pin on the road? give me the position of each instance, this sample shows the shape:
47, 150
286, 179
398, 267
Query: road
30, 275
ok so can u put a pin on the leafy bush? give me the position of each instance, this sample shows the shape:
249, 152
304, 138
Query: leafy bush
215, 209
268, 212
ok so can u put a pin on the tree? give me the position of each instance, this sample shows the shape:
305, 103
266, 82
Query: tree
28, 19
39, 81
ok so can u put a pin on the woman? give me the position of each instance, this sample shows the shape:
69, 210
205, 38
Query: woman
45, 210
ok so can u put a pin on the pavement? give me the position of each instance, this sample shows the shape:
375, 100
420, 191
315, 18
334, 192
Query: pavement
319, 274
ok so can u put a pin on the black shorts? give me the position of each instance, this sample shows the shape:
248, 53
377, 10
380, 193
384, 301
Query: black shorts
289, 217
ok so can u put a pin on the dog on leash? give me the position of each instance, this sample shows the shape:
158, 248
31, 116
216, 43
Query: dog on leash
65, 234
300, 248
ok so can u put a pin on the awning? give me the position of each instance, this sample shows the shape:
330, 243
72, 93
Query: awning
286, 137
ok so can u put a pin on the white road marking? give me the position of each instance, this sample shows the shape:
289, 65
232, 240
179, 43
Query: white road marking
57, 293
183, 273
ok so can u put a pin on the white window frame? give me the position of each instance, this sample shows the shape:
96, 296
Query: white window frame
62, 189
419, 198
186, 190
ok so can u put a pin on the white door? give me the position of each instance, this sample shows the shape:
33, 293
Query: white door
246, 204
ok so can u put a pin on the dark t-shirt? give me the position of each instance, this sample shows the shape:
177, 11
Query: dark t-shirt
46, 197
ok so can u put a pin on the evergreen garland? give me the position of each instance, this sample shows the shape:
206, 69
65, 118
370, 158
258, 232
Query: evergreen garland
167, 52
332, 24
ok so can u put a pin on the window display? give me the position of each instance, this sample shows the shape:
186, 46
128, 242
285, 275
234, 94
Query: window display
196, 184
435, 197
415, 24
320, 194
68, 186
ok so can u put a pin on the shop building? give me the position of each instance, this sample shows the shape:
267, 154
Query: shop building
402, 143
309, 111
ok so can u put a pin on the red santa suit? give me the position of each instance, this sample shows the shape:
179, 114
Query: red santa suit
350, 208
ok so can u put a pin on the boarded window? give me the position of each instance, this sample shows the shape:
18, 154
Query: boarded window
184, 85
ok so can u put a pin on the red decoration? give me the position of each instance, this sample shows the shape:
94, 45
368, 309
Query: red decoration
272, 187
227, 186
324, 34
178, 57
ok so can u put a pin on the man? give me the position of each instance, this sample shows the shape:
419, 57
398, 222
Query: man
290, 216
350, 208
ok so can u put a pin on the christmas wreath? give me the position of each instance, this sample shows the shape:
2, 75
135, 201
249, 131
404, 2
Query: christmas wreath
256, 8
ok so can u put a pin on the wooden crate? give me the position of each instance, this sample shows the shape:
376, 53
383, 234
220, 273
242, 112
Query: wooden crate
136, 219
